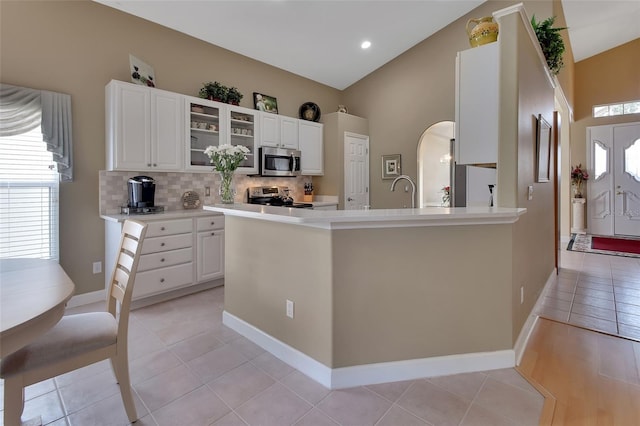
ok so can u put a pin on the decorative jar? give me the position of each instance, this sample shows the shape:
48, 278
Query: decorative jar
485, 31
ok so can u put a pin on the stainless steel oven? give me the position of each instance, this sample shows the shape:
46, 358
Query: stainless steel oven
279, 162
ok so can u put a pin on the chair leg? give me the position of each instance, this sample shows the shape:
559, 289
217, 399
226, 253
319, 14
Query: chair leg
120, 366
13, 400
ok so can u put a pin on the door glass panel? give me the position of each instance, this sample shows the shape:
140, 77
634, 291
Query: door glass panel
601, 160
632, 160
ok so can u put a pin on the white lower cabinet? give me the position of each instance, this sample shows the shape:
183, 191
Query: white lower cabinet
210, 248
176, 253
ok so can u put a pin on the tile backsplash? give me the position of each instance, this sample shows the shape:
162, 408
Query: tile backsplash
171, 186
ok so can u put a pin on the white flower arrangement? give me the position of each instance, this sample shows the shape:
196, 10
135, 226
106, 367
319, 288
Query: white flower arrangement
226, 158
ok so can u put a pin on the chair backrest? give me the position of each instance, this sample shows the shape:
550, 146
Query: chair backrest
124, 272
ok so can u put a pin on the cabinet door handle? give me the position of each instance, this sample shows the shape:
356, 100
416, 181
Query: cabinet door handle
161, 280
162, 229
213, 223
148, 164
162, 260
161, 244
213, 233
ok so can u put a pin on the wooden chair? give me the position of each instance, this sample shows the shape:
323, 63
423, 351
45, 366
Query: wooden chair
82, 339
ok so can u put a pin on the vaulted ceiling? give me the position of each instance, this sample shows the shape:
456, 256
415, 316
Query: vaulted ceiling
320, 39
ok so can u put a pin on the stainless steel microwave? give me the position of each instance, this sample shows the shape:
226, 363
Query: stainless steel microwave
279, 162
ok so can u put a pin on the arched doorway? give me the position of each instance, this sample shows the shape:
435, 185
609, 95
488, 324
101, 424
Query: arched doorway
434, 163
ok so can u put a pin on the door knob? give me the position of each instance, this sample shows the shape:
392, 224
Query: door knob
350, 199
619, 192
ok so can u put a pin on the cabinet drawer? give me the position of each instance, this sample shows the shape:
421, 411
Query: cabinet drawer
169, 227
165, 258
170, 242
210, 223
161, 280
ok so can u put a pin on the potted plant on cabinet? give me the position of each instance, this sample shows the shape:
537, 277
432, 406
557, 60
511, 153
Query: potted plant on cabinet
551, 42
214, 91
234, 96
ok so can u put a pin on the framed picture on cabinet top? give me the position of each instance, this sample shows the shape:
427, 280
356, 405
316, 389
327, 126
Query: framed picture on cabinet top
265, 103
141, 73
543, 150
391, 166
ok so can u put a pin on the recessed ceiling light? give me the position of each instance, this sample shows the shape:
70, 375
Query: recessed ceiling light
365, 44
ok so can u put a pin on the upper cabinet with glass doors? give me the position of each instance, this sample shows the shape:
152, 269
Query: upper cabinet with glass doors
215, 123
243, 130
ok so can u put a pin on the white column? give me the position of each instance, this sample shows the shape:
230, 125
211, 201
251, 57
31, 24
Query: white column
578, 215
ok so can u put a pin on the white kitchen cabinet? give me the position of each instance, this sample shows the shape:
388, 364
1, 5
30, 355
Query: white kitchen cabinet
269, 129
477, 96
243, 129
215, 123
167, 249
144, 128
177, 253
210, 248
204, 128
311, 145
288, 132
278, 131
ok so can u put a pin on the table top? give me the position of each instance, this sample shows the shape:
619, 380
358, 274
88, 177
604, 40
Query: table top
33, 295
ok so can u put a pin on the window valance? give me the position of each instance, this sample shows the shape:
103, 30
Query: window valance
23, 109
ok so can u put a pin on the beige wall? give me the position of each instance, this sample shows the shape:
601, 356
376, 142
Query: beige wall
610, 77
412, 92
77, 47
520, 105
336, 124
373, 295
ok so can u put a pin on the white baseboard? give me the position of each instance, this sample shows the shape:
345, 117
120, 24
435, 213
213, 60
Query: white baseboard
369, 374
87, 298
527, 328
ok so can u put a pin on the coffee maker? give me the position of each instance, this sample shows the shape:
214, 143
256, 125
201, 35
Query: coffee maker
142, 191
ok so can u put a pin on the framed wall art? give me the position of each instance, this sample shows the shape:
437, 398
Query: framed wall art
141, 73
266, 103
543, 150
391, 166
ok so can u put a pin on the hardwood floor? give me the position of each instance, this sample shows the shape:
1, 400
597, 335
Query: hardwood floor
594, 377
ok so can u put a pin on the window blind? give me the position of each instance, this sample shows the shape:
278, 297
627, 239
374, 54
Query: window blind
28, 198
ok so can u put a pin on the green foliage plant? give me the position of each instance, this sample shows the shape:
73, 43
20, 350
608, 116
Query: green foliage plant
551, 42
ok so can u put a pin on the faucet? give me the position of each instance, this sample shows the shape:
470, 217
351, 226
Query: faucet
413, 188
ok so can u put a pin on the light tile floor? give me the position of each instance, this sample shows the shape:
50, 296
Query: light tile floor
187, 368
596, 291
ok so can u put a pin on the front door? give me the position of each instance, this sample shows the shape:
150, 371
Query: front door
626, 160
356, 171
614, 187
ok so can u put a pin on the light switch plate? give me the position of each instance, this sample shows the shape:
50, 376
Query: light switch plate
530, 195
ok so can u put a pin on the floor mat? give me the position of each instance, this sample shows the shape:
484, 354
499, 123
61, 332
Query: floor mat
612, 246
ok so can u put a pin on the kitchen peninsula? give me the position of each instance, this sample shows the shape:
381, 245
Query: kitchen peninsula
354, 297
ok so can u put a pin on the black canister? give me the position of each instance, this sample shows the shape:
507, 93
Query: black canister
141, 191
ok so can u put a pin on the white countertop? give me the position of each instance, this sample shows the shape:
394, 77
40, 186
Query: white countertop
376, 218
167, 214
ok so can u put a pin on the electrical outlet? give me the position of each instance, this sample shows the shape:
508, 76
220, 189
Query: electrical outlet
530, 195
207, 191
521, 295
289, 308
97, 267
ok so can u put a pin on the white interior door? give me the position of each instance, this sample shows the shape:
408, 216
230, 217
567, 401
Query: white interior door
626, 160
356, 171
614, 187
